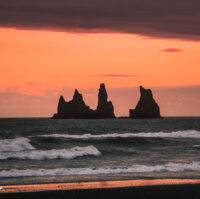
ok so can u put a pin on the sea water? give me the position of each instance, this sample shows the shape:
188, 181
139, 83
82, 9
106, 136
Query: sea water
42, 150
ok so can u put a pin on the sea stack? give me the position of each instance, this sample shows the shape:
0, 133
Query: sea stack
105, 108
77, 109
146, 107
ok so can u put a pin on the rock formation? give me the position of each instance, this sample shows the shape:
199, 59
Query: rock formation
105, 108
76, 108
146, 107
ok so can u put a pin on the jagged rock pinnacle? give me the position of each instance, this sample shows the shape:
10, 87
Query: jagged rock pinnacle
76, 108
105, 108
102, 96
77, 96
146, 107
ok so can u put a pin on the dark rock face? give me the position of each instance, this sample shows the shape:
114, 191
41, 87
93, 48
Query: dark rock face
76, 108
146, 107
105, 108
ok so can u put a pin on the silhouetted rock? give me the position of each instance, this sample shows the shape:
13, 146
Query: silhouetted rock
105, 108
76, 108
146, 107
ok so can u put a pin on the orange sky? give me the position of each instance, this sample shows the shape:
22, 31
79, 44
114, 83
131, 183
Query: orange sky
56, 59
33, 61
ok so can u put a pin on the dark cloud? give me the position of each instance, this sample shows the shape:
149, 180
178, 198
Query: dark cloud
171, 18
172, 50
118, 75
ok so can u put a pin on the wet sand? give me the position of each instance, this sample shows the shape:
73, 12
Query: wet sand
156, 188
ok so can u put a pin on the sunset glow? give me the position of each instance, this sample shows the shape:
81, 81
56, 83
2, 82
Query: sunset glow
33, 62
57, 59
99, 98
36, 62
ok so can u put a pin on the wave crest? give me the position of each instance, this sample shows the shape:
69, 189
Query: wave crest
17, 144
175, 134
171, 167
52, 154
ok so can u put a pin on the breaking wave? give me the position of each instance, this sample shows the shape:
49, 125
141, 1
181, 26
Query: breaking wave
175, 134
170, 167
52, 154
17, 144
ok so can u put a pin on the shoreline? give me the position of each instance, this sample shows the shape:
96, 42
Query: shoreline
140, 189
95, 185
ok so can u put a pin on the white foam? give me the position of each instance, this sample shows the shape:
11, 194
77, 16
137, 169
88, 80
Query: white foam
17, 144
175, 134
196, 146
171, 167
52, 154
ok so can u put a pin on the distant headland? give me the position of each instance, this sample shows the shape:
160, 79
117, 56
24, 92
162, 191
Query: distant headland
77, 109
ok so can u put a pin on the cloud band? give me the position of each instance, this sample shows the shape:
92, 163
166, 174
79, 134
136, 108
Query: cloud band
172, 18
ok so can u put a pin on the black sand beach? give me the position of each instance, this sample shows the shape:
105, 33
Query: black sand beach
186, 191
157, 188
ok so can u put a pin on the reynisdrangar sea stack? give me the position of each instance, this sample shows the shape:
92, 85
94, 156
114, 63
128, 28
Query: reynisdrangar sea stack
77, 109
146, 107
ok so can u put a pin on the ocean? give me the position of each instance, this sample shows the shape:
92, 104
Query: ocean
42, 150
